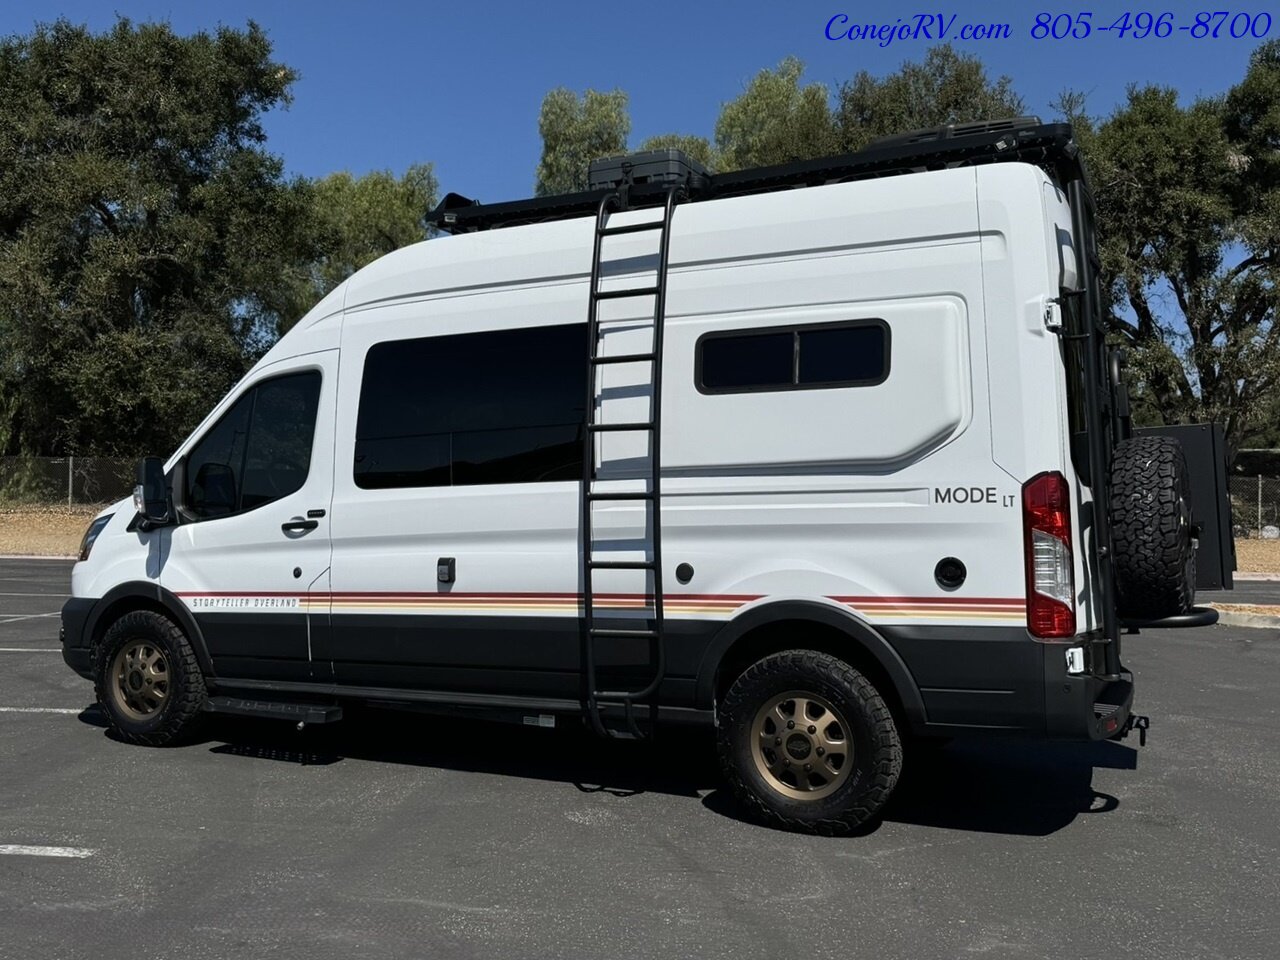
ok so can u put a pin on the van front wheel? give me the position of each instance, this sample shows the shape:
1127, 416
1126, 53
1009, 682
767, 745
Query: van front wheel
147, 679
807, 743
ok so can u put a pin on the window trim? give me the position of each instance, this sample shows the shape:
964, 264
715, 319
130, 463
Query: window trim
796, 329
181, 468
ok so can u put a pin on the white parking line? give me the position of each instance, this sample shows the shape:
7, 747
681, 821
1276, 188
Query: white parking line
42, 709
54, 596
15, 617
22, 850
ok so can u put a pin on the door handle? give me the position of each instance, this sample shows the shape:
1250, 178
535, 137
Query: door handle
297, 525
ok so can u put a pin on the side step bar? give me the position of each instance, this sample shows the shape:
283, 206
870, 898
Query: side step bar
449, 702
303, 714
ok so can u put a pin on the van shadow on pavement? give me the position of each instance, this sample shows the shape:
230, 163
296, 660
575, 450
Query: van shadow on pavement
1014, 787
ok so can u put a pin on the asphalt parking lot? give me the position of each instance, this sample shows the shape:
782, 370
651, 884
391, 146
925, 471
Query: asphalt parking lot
1246, 591
409, 836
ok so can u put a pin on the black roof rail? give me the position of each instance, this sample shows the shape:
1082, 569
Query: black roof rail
1022, 139
951, 130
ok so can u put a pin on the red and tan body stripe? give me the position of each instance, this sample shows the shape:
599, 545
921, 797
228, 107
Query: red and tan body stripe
715, 606
937, 608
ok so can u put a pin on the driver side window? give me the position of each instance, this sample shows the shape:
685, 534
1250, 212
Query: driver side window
258, 451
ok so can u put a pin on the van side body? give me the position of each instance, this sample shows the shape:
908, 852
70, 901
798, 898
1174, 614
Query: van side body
443, 567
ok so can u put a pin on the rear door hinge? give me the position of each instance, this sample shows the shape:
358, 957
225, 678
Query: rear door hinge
1051, 313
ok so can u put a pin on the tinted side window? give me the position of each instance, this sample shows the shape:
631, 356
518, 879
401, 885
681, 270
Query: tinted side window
277, 456
794, 358
757, 360
259, 451
504, 406
215, 461
842, 355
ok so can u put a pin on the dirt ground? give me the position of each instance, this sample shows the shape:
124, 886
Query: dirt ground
56, 531
1256, 609
1258, 556
43, 531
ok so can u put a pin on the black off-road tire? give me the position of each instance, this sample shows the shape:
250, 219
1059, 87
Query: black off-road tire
1154, 556
876, 760
185, 693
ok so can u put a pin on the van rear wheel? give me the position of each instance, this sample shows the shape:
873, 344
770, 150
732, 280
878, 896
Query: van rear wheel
807, 743
147, 679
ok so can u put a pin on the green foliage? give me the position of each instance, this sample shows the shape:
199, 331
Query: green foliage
1187, 201
698, 148
148, 244
575, 132
1251, 121
946, 87
359, 219
775, 120
26, 480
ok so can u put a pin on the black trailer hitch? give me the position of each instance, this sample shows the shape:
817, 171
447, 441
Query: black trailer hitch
1137, 722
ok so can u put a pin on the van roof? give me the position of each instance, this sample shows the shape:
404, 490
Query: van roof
1022, 139
739, 229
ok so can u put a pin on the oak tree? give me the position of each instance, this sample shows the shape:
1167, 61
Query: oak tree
149, 244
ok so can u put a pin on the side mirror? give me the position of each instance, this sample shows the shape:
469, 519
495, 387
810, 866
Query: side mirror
151, 495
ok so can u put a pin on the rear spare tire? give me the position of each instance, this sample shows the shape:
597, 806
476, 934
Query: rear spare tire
1154, 556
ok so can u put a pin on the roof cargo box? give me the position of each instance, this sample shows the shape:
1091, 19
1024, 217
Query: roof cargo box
651, 166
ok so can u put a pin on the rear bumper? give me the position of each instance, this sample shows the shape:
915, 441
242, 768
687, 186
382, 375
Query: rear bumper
998, 680
1083, 707
75, 636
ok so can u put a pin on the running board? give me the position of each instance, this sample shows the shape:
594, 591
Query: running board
303, 714
448, 701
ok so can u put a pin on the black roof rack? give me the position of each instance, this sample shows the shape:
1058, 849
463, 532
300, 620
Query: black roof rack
1024, 139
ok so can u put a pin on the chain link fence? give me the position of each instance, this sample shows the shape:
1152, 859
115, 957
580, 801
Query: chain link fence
1255, 507
65, 480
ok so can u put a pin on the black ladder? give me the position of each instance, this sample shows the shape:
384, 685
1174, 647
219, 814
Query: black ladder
596, 630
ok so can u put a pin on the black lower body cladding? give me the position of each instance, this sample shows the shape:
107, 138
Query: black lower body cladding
966, 679
962, 679
74, 635
997, 680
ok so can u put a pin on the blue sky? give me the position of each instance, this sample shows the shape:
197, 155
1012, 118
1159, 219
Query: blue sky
388, 84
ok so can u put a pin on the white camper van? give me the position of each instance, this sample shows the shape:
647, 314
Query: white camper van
831, 455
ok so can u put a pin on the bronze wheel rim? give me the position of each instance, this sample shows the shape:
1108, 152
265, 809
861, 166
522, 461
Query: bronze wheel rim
140, 680
802, 745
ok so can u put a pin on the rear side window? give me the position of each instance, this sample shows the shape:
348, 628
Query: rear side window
504, 406
809, 357
258, 451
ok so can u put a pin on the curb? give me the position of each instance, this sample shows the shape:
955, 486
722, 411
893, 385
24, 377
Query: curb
1264, 577
37, 556
1259, 620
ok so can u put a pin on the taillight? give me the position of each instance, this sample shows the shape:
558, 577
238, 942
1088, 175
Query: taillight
1046, 523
